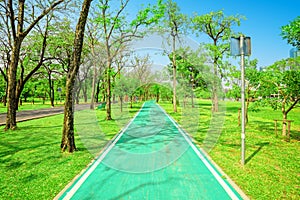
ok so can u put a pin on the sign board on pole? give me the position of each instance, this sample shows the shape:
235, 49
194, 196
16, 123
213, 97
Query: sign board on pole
235, 46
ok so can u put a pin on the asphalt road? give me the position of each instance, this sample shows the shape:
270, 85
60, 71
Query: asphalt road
35, 114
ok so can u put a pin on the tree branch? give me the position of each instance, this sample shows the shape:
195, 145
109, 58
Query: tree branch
45, 12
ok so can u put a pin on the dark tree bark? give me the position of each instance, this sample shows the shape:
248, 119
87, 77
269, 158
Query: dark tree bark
84, 90
18, 35
51, 91
68, 140
97, 91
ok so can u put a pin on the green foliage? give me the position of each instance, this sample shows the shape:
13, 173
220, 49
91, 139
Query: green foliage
281, 84
219, 29
150, 15
216, 25
60, 43
190, 69
126, 86
174, 21
2, 88
291, 32
253, 78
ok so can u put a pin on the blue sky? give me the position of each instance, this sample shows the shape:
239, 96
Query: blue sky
263, 21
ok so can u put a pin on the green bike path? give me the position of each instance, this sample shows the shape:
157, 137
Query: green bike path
152, 158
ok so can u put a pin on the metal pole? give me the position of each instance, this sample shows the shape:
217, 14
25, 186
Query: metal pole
243, 135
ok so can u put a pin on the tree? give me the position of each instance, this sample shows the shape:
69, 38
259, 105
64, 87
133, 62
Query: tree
281, 86
32, 56
191, 70
141, 69
68, 140
291, 32
175, 23
117, 33
125, 86
18, 32
59, 44
92, 42
219, 29
5, 50
253, 79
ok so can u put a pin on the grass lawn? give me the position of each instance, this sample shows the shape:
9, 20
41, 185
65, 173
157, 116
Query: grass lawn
272, 169
31, 163
32, 166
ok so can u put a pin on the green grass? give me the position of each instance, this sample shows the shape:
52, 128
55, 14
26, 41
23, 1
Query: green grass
31, 163
32, 166
272, 169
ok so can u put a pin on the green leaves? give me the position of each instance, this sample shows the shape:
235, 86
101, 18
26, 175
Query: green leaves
281, 84
291, 32
216, 25
150, 15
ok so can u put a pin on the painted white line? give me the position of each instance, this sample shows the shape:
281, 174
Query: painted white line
98, 161
203, 159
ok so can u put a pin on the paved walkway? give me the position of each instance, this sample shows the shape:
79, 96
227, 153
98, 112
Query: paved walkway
34, 114
152, 158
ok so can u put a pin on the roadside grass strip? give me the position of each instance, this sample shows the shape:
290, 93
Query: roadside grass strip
151, 158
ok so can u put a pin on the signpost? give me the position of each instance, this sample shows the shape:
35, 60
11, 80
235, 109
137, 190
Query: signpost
242, 47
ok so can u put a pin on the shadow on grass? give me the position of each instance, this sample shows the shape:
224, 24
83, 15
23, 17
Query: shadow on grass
264, 126
295, 135
232, 109
261, 145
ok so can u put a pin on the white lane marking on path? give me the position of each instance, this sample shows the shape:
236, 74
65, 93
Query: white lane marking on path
202, 158
78, 184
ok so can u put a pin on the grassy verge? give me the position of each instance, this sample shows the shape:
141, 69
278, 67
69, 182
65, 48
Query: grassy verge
272, 164
31, 164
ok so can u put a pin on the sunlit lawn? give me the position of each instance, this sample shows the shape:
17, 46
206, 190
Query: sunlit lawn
32, 166
31, 163
272, 169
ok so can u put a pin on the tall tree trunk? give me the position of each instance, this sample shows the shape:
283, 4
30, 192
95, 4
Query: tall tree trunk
284, 124
51, 92
97, 92
215, 102
108, 93
174, 74
131, 101
193, 104
5, 96
246, 109
84, 91
77, 89
92, 106
68, 140
121, 103
11, 122
19, 89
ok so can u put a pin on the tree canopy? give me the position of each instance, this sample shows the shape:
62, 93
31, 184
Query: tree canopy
291, 32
